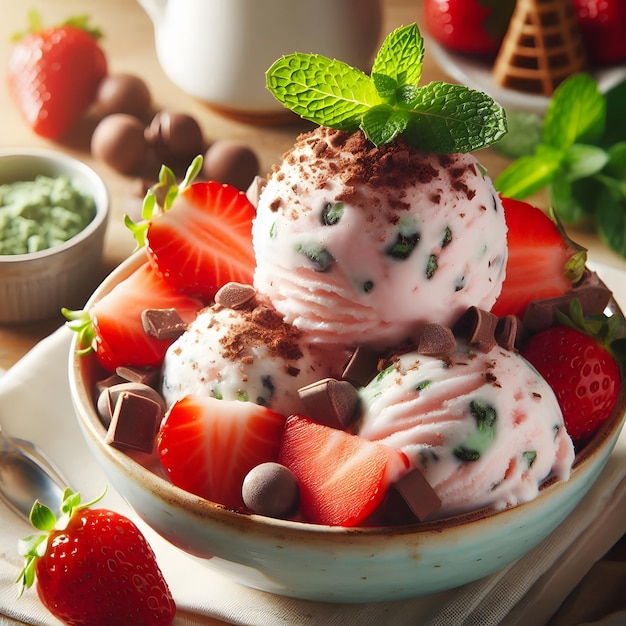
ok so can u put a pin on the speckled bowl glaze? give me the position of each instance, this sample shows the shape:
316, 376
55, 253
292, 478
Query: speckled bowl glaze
35, 286
328, 563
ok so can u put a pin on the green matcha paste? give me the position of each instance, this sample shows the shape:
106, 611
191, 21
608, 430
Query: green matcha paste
42, 213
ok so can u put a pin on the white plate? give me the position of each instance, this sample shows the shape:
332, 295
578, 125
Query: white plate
477, 73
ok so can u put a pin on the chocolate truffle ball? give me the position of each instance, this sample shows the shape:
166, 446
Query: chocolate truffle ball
175, 137
271, 489
232, 162
123, 93
119, 141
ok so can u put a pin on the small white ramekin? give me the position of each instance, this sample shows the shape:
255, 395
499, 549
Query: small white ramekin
36, 286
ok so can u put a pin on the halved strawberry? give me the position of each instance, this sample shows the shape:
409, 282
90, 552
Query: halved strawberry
201, 238
208, 446
542, 261
343, 478
113, 327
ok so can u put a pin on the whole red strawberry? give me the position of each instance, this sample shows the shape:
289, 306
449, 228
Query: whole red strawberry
94, 567
583, 374
603, 25
54, 73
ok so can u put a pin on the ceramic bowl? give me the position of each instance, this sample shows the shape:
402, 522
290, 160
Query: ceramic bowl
36, 286
324, 563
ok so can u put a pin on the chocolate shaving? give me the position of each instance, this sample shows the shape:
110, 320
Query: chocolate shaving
418, 494
362, 366
330, 402
144, 376
136, 420
235, 295
436, 339
163, 323
478, 327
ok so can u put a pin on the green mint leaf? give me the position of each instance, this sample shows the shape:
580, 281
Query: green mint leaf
582, 161
576, 113
610, 218
321, 90
615, 119
382, 123
523, 136
401, 56
617, 160
386, 87
453, 118
529, 174
564, 201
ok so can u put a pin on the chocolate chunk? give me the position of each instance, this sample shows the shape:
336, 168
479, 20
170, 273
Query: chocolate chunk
478, 327
271, 489
362, 366
163, 323
593, 296
146, 376
107, 400
136, 420
436, 339
418, 494
330, 402
103, 384
234, 295
507, 331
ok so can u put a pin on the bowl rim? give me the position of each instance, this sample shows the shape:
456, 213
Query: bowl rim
200, 508
100, 195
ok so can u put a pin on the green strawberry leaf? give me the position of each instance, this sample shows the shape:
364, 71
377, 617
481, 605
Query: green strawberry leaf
401, 57
438, 117
321, 90
576, 113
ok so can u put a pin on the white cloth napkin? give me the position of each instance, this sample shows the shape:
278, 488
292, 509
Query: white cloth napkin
35, 405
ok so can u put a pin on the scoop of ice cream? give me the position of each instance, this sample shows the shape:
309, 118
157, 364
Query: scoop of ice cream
485, 428
245, 353
363, 244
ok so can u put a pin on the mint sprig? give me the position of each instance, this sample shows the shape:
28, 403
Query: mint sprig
579, 158
438, 117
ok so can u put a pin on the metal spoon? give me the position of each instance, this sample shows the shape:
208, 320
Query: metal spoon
26, 475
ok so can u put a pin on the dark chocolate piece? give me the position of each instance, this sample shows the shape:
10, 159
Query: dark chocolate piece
507, 331
330, 402
362, 366
271, 489
593, 296
418, 494
146, 376
436, 339
163, 323
478, 327
104, 383
136, 420
235, 295
108, 398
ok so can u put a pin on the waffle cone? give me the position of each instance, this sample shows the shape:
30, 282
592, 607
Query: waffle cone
542, 47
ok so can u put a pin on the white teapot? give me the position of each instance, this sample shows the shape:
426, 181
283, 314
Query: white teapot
219, 50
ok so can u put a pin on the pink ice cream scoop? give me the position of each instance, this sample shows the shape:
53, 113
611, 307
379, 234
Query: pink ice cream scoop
485, 428
357, 244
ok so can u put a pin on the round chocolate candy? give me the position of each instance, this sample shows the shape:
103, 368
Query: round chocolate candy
232, 162
175, 137
123, 93
119, 141
271, 489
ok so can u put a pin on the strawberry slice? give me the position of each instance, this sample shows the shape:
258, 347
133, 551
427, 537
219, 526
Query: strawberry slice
343, 478
113, 326
542, 261
205, 239
208, 446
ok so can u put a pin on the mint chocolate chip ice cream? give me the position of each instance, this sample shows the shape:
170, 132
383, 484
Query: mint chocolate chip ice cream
361, 244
